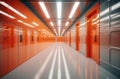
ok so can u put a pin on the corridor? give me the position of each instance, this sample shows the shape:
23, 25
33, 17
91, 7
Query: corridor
59, 61
59, 39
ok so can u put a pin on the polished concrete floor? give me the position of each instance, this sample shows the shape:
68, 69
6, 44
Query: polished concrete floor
59, 62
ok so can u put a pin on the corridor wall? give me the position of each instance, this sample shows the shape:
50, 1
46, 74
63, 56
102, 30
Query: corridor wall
18, 43
108, 35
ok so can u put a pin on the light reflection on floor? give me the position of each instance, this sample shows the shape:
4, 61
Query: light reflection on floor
59, 62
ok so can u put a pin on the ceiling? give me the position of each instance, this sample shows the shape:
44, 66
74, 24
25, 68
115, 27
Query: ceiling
51, 6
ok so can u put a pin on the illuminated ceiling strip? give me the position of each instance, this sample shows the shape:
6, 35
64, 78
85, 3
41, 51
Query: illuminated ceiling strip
59, 9
59, 22
25, 23
3, 13
56, 32
62, 32
42, 5
59, 12
51, 23
59, 29
12, 9
67, 23
34, 23
74, 9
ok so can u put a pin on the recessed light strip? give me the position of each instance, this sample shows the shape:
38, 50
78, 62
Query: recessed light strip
25, 23
67, 23
4, 13
59, 29
62, 32
42, 5
74, 9
34, 23
56, 32
51, 23
12, 9
59, 12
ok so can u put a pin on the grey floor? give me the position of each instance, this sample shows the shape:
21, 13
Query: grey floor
59, 62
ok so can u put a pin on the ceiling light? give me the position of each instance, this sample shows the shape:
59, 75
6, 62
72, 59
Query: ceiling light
62, 32
59, 22
74, 9
20, 21
59, 13
25, 23
35, 23
42, 5
59, 30
59, 9
3, 13
12, 9
51, 23
56, 32
67, 23
28, 24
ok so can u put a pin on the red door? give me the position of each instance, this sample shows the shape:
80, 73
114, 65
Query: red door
78, 36
70, 38
4, 50
92, 33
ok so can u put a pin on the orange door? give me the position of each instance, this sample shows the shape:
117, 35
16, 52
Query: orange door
70, 38
13, 47
77, 36
4, 51
22, 45
92, 37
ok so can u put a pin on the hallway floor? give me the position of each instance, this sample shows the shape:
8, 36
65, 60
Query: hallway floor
59, 62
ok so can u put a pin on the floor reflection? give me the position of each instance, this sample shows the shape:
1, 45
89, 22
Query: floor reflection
59, 62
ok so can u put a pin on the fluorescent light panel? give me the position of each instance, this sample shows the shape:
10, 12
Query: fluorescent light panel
25, 23
62, 32
51, 23
42, 5
12, 9
59, 22
59, 29
67, 23
35, 23
59, 12
20, 21
59, 8
74, 9
56, 32
4, 13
